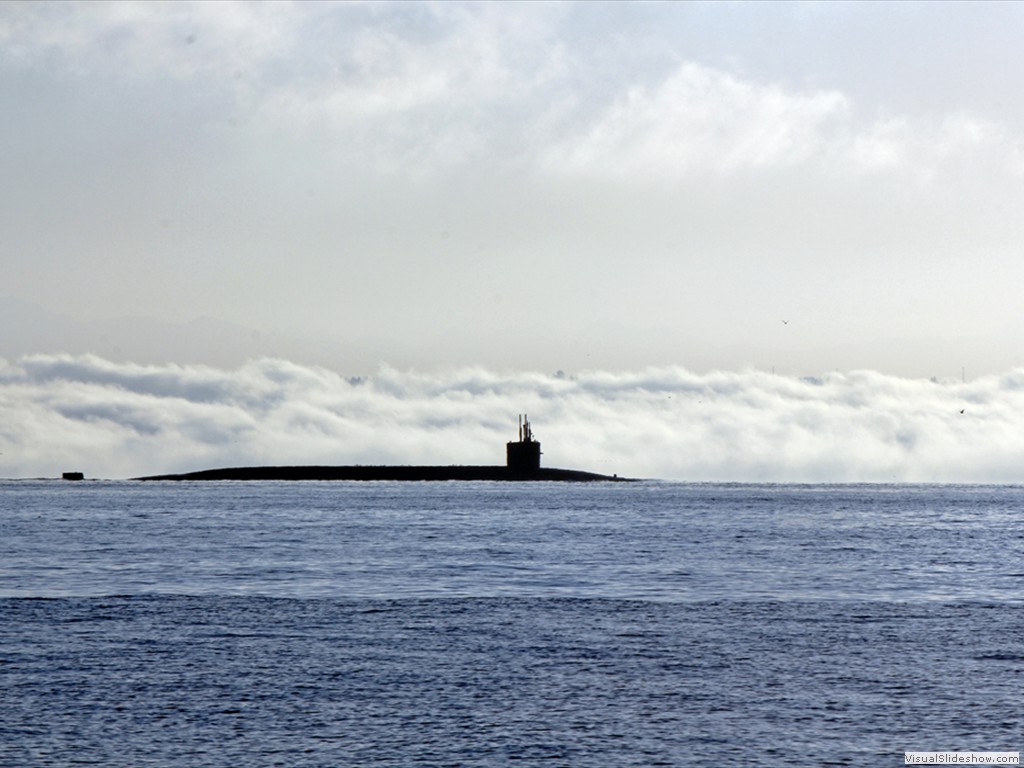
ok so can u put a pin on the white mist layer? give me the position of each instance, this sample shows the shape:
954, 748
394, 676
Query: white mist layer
114, 420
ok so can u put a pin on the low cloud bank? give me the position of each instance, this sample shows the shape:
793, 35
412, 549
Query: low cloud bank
83, 413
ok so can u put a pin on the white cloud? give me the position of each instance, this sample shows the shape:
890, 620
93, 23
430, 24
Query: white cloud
462, 84
117, 420
415, 86
701, 120
166, 39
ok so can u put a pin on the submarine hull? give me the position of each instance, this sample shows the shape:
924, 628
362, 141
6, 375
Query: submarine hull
402, 473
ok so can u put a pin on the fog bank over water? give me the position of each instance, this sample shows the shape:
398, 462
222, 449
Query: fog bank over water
114, 420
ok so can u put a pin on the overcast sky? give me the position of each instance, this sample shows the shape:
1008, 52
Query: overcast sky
530, 186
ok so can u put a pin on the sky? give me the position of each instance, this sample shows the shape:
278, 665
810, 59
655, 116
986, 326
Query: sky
823, 192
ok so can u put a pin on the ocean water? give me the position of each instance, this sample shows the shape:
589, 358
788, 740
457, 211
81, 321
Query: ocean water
490, 624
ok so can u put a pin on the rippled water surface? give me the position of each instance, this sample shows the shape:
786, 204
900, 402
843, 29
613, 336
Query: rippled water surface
308, 624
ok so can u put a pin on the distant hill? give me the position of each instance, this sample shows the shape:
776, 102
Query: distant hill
27, 328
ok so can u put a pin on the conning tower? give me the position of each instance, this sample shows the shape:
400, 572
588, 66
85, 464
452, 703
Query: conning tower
525, 454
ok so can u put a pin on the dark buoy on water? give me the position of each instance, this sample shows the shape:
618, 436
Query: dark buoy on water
73, 476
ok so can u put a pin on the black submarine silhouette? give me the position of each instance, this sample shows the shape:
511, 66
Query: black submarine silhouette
522, 463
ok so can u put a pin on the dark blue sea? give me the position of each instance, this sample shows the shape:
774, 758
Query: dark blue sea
490, 624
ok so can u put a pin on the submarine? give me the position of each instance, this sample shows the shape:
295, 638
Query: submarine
522, 464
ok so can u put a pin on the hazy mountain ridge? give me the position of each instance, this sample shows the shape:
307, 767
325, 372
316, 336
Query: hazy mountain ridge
32, 329
28, 328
